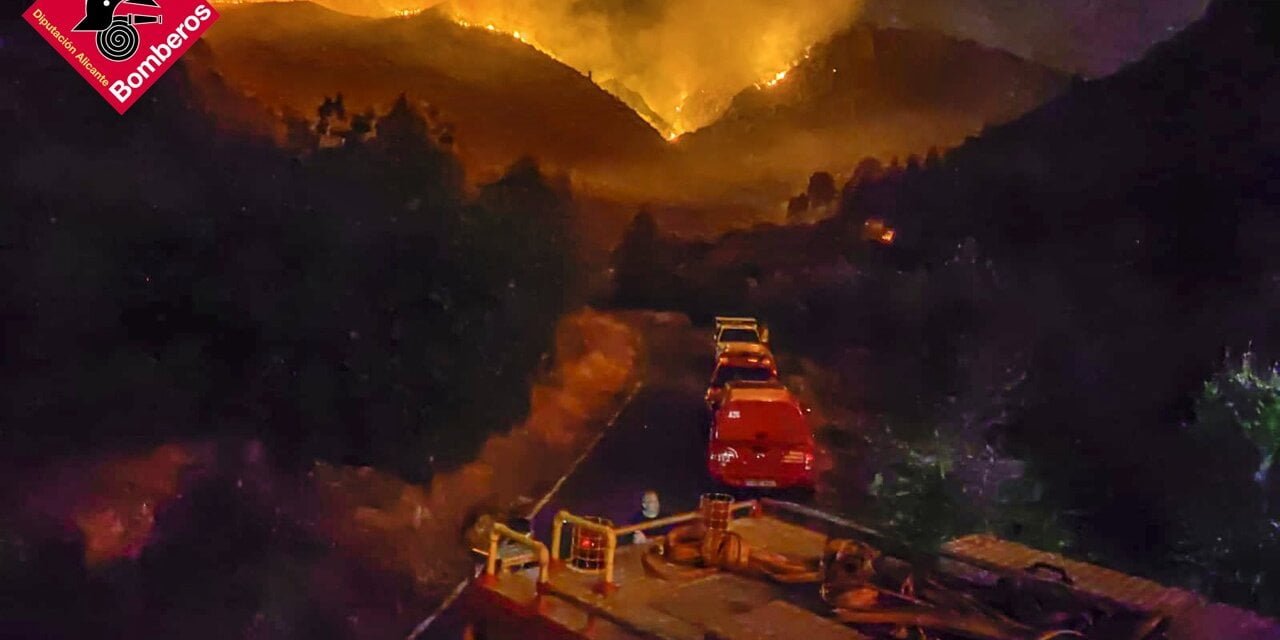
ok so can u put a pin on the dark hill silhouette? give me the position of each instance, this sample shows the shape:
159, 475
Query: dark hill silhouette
1152, 167
873, 91
138, 246
897, 92
1120, 239
1178, 142
505, 98
868, 68
1191, 120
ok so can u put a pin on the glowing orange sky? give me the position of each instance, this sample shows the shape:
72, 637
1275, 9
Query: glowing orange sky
678, 64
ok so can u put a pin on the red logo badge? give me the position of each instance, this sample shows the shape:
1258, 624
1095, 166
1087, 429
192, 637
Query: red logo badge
121, 47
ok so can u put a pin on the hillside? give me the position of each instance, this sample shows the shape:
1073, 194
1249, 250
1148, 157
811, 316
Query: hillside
1176, 145
893, 93
873, 91
205, 336
504, 98
1098, 44
1104, 252
1136, 220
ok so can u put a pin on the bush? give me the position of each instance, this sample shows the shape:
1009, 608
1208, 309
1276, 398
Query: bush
1228, 537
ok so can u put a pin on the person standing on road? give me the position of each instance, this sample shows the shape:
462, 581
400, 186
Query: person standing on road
650, 510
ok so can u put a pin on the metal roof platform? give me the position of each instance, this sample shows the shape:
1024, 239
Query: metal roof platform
623, 597
1191, 615
722, 605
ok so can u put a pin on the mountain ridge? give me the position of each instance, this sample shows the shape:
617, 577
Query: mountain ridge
485, 83
872, 91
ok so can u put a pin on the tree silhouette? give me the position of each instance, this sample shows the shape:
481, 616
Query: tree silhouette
822, 189
300, 135
914, 164
402, 127
866, 171
361, 127
798, 206
329, 111
933, 159
636, 260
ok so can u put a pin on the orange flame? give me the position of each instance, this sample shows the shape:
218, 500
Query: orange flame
648, 62
653, 71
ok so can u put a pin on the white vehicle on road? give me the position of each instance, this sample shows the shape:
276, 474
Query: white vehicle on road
739, 334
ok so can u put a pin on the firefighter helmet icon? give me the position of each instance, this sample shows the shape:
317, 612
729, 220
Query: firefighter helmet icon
117, 38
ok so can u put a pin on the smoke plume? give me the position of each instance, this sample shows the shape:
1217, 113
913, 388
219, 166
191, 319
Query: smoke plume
685, 58
417, 530
680, 60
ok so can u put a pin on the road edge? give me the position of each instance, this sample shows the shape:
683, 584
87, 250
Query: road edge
533, 512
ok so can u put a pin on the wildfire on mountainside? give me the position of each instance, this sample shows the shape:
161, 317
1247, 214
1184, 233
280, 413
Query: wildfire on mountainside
672, 129
663, 64
522, 36
775, 79
527, 38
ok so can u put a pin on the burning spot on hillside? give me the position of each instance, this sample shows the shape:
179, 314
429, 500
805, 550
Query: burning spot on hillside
112, 503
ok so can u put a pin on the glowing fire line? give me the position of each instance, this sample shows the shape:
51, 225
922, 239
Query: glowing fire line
518, 35
670, 131
782, 75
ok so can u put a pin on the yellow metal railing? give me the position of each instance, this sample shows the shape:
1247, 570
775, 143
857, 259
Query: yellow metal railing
681, 518
611, 534
610, 543
500, 532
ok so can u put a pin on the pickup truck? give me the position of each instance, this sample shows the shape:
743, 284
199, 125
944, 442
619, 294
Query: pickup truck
734, 332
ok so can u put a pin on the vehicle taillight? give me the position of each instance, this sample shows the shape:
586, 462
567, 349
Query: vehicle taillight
799, 457
723, 455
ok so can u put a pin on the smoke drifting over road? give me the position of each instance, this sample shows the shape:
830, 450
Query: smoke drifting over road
416, 530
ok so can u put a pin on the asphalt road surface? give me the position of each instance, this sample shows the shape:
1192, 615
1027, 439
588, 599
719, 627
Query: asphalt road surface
657, 441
